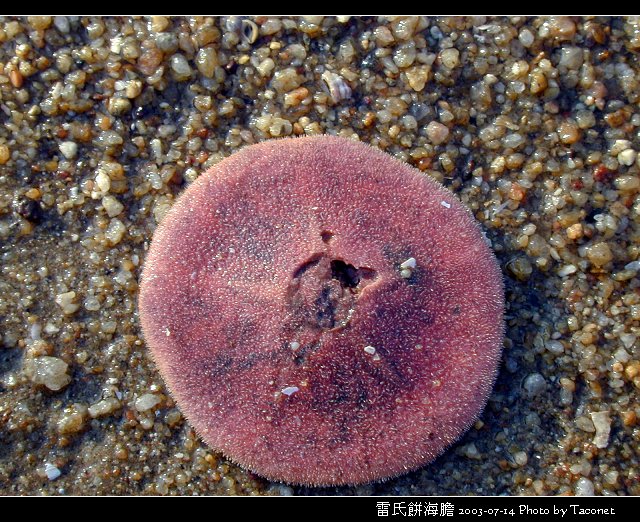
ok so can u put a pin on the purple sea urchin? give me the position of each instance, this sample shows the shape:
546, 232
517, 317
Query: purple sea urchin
323, 313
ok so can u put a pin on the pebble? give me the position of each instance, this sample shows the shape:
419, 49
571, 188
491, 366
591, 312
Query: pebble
48, 371
450, 58
115, 231
147, 402
599, 254
437, 132
104, 408
62, 24
602, 424
180, 67
51, 471
69, 149
112, 206
627, 157
534, 384
66, 301
584, 487
521, 458
4, 154
72, 420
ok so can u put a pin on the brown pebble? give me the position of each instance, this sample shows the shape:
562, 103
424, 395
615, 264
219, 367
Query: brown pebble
629, 418
16, 78
575, 231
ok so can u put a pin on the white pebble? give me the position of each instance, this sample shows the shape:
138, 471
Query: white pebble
294, 345
526, 37
634, 265
567, 270
290, 390
69, 149
602, 423
50, 372
445, 204
147, 401
51, 471
115, 231
103, 407
628, 339
621, 355
555, 347
409, 263
180, 67
62, 24
66, 302
520, 458
534, 384
584, 487
103, 181
370, 350
627, 157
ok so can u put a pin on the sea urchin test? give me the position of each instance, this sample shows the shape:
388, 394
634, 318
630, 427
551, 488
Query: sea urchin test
323, 313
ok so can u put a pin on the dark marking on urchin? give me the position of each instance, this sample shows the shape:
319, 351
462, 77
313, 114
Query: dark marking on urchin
289, 335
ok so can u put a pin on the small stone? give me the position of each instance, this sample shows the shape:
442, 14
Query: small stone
66, 301
147, 401
104, 407
575, 231
290, 390
133, 89
471, 451
286, 80
112, 206
115, 231
602, 423
118, 105
520, 458
571, 57
599, 254
72, 420
417, 76
521, 268
150, 60
48, 371
437, 132
69, 149
628, 183
555, 347
450, 58
567, 270
159, 23
103, 181
207, 61
627, 157
180, 67
4, 154
534, 384
569, 133
51, 471
584, 487
16, 78
62, 24
526, 37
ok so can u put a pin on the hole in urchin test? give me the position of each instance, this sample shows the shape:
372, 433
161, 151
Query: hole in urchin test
326, 236
348, 275
345, 273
